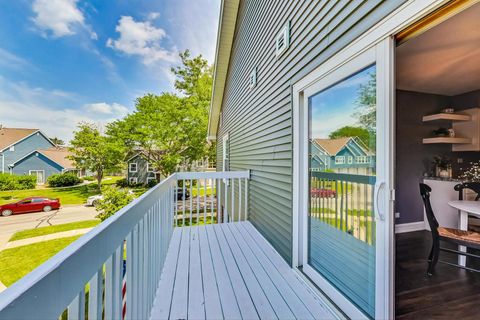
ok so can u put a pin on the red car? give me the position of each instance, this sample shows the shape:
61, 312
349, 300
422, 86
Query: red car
322, 193
32, 204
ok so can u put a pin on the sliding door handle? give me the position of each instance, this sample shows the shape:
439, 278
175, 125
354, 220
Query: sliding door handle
378, 213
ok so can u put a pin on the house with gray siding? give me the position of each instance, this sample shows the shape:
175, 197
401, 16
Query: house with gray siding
139, 170
287, 75
30, 152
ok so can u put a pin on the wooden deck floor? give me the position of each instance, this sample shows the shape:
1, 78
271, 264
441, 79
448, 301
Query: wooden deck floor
229, 271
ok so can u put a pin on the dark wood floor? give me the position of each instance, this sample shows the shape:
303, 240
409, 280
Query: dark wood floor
452, 293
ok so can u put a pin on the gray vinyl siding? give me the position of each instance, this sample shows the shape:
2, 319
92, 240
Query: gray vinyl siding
142, 173
259, 121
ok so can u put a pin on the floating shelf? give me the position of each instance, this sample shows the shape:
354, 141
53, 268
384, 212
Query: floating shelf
447, 116
447, 140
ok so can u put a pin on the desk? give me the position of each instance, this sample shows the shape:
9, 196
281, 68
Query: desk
465, 208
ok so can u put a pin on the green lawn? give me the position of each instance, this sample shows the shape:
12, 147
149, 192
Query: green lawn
17, 262
54, 229
202, 191
70, 195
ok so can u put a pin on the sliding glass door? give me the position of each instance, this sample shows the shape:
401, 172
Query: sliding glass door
344, 179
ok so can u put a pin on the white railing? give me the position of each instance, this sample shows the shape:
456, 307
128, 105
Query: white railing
128, 250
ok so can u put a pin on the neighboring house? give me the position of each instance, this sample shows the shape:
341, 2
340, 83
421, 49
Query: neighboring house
342, 155
30, 152
139, 170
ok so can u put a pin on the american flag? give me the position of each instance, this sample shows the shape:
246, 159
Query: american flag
124, 290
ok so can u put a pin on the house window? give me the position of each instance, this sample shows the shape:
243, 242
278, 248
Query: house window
12, 148
133, 180
132, 167
339, 160
150, 167
350, 160
150, 179
361, 159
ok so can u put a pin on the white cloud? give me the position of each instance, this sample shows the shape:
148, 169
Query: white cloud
51, 110
10, 60
141, 39
59, 18
153, 15
106, 109
195, 24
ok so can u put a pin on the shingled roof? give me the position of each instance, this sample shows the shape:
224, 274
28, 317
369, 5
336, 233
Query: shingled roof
333, 146
9, 136
59, 155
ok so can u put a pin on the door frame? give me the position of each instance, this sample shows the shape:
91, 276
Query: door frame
380, 36
36, 175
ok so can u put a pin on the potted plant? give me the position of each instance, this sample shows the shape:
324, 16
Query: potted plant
443, 166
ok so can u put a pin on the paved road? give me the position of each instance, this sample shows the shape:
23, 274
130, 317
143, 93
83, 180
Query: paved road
10, 225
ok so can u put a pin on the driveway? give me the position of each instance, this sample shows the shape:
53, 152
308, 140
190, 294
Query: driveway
10, 225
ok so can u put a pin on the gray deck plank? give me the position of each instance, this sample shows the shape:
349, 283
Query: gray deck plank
260, 300
312, 301
244, 300
196, 300
213, 307
278, 303
230, 307
163, 299
179, 307
230, 271
266, 269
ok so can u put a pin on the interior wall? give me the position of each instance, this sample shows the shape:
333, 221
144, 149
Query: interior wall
413, 159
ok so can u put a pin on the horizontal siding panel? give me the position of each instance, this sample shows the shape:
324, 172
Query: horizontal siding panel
259, 120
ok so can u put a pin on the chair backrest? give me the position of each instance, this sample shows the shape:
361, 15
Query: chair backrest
425, 193
474, 186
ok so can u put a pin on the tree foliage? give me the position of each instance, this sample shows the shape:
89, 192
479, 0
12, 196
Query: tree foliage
351, 131
113, 200
94, 151
57, 141
171, 128
367, 104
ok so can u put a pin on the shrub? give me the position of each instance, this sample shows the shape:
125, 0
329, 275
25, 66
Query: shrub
113, 200
88, 178
63, 180
151, 183
15, 182
122, 183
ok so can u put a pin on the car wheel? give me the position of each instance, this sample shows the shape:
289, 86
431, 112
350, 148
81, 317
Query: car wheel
47, 208
6, 213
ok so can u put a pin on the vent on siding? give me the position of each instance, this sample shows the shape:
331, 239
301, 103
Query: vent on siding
282, 40
252, 79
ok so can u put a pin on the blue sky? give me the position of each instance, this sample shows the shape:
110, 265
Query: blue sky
65, 61
335, 107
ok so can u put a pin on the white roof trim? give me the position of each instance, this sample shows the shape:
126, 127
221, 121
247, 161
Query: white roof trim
31, 134
226, 30
29, 154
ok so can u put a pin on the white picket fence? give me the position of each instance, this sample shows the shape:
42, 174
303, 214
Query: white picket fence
135, 241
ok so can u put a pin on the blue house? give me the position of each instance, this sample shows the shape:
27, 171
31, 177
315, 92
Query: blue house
30, 152
342, 155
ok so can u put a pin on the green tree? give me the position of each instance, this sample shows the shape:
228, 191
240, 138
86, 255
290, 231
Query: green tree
165, 128
367, 104
94, 151
350, 131
113, 200
171, 128
57, 141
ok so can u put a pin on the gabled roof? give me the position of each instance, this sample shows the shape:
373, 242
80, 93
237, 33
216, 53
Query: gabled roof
59, 155
333, 146
56, 154
226, 31
10, 136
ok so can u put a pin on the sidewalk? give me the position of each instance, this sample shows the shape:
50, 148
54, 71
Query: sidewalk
52, 236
